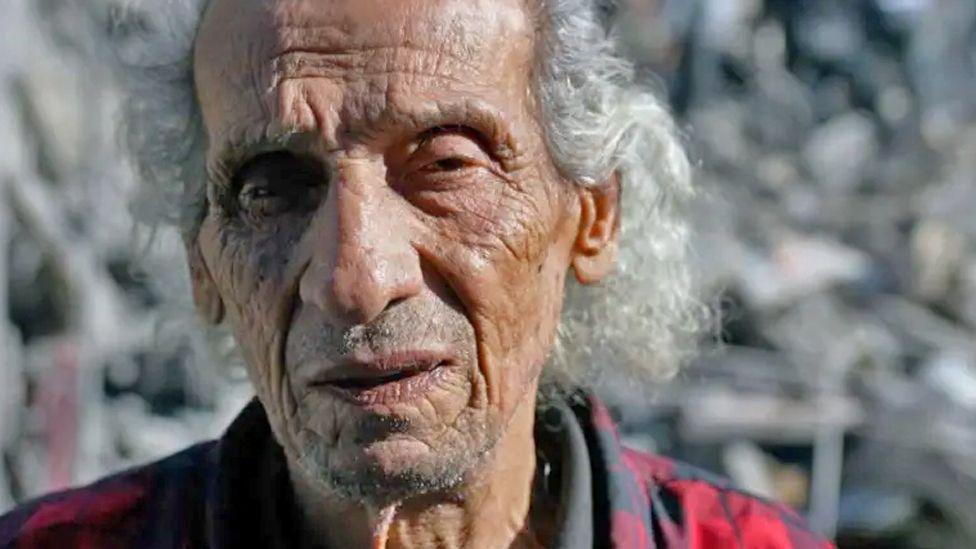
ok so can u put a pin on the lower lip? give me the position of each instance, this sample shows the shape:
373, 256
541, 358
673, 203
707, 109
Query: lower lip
398, 391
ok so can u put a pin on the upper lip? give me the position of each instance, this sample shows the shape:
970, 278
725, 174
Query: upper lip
377, 366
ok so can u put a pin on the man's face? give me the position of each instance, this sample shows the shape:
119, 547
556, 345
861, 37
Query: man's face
393, 270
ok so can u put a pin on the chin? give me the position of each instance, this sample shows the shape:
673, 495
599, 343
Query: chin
386, 471
379, 459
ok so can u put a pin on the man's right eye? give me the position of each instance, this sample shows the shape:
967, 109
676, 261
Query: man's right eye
278, 183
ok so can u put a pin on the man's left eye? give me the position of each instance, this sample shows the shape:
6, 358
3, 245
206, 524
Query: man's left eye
446, 156
451, 164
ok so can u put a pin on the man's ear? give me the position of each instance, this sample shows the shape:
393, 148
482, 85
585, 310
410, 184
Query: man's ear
209, 304
595, 252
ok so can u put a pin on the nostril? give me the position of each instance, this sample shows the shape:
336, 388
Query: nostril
395, 301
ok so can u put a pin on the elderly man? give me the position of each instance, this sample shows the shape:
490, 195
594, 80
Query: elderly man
383, 201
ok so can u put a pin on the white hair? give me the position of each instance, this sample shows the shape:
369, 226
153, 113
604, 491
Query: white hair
598, 120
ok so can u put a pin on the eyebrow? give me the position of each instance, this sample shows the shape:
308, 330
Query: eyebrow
245, 143
248, 141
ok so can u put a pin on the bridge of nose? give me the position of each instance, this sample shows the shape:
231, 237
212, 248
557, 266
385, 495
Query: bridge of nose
362, 259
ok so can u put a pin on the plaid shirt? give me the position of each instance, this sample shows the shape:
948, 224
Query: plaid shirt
234, 493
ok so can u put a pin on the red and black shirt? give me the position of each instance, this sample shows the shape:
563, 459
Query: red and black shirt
234, 492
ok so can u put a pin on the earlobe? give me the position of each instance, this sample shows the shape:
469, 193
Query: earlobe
595, 252
206, 298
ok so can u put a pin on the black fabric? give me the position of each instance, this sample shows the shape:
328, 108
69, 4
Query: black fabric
253, 504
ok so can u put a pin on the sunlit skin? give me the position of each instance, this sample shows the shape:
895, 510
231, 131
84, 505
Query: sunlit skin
389, 241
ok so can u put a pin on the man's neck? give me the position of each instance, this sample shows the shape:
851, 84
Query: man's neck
489, 509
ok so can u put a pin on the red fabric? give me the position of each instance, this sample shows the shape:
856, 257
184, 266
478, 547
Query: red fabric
85, 519
210, 495
714, 514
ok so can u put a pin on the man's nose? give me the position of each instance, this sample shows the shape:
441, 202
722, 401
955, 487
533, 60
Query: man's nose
362, 261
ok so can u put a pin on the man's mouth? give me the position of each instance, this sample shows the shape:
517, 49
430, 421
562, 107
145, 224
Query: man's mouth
389, 380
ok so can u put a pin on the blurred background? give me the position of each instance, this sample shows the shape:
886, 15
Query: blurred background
836, 146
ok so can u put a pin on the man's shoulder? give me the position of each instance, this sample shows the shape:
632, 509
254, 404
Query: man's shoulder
706, 510
115, 511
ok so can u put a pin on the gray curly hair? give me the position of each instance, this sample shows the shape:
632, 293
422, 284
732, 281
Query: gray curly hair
598, 120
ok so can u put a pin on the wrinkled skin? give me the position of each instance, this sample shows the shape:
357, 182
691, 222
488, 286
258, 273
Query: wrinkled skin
380, 188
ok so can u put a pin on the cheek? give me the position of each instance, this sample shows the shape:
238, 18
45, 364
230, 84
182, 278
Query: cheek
532, 313
254, 270
497, 219
251, 280
525, 263
256, 276
507, 256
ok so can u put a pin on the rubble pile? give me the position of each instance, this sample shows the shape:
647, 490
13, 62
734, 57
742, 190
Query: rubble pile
836, 235
837, 231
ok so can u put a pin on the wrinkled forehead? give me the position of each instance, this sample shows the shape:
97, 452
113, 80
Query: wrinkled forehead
469, 28
246, 48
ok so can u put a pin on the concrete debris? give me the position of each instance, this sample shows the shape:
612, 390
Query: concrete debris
837, 232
